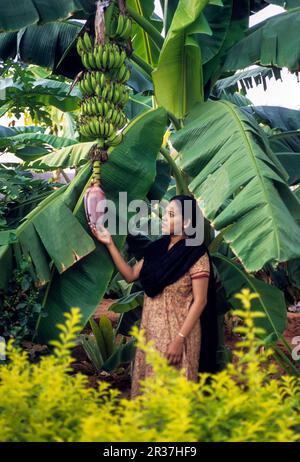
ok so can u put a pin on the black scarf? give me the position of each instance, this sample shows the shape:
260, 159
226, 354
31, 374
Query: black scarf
163, 267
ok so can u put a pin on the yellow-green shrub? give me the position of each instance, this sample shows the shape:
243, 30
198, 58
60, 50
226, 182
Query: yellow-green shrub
42, 402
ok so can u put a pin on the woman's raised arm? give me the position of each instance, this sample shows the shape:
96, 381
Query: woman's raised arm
130, 273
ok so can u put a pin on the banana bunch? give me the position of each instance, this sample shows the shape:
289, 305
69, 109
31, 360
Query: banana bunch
103, 85
103, 109
124, 27
94, 84
102, 57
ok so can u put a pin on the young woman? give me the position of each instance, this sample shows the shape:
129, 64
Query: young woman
179, 283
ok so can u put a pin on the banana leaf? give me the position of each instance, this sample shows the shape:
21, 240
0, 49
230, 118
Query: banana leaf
271, 300
15, 15
291, 163
247, 79
161, 182
219, 21
241, 183
70, 156
271, 43
282, 118
178, 76
142, 44
285, 141
131, 168
127, 303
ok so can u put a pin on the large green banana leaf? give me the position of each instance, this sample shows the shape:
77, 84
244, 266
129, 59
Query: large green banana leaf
70, 156
219, 22
131, 168
247, 79
282, 118
178, 76
285, 141
142, 44
53, 46
237, 27
272, 43
15, 14
242, 185
291, 163
271, 300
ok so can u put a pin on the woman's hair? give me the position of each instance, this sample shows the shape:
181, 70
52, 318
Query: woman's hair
191, 211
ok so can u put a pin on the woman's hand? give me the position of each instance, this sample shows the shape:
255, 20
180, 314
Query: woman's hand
102, 234
175, 350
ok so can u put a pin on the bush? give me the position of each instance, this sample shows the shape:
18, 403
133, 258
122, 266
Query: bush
42, 402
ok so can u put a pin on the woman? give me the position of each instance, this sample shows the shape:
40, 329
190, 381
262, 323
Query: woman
179, 283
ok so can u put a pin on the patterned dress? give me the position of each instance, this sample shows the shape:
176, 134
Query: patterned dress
162, 318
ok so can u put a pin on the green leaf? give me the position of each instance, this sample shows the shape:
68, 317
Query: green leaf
142, 44
241, 183
291, 163
90, 346
178, 76
219, 22
70, 156
161, 182
271, 300
271, 43
127, 303
123, 354
283, 118
99, 338
15, 15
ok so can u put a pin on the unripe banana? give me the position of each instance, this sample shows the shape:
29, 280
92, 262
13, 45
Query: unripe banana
104, 59
79, 46
85, 61
111, 59
87, 41
126, 32
120, 26
91, 60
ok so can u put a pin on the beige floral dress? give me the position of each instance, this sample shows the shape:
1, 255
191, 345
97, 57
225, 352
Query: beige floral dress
162, 318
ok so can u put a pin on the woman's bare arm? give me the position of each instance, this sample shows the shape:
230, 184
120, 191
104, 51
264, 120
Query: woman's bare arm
200, 287
130, 273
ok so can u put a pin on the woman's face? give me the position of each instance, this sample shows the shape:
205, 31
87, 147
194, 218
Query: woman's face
172, 222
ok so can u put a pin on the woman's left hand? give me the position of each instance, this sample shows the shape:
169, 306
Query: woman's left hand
175, 350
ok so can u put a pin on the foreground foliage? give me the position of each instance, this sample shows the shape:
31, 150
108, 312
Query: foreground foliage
42, 402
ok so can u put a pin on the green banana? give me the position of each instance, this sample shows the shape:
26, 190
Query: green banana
127, 29
85, 61
87, 41
120, 26
104, 59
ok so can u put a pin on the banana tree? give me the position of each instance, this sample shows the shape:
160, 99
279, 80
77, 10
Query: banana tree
224, 157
